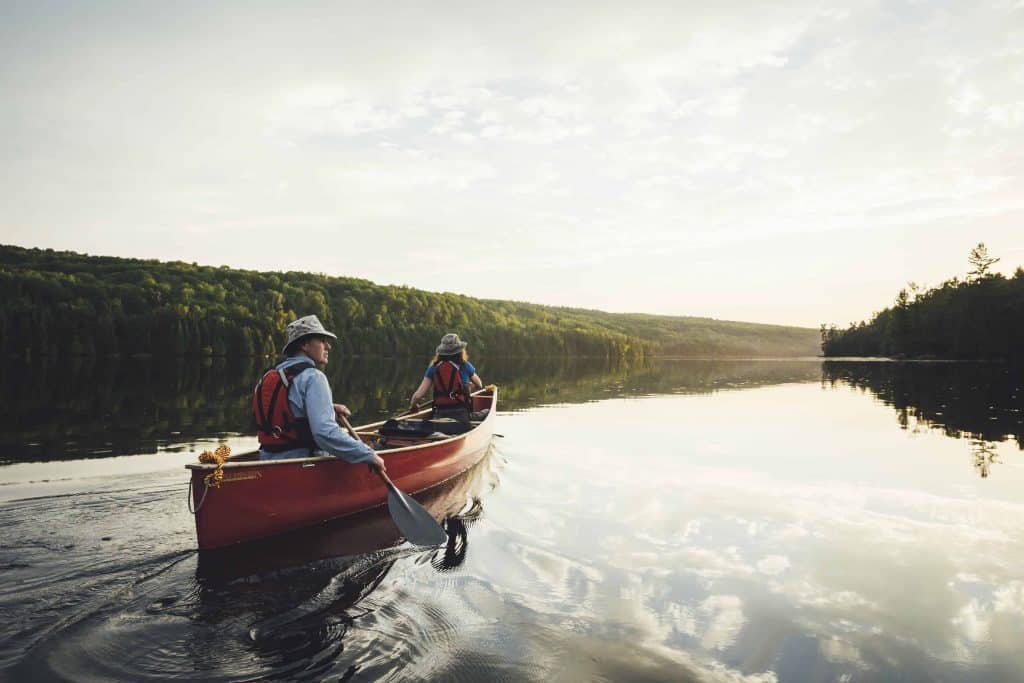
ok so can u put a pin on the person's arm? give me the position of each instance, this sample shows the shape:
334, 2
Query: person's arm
474, 379
420, 392
327, 434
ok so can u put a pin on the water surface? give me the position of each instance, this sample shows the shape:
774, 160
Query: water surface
672, 520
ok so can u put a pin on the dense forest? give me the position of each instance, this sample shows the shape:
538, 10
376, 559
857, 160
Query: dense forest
63, 302
980, 317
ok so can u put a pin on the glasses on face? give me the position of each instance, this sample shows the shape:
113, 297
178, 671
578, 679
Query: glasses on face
323, 340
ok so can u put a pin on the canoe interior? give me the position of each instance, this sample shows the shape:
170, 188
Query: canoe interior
368, 434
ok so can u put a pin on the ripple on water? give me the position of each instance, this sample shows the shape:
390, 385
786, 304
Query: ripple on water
141, 606
301, 625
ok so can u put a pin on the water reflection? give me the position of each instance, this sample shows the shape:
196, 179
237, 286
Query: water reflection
330, 600
964, 400
981, 402
810, 540
984, 455
89, 407
703, 532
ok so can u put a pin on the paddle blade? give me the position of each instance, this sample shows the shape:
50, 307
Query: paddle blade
413, 520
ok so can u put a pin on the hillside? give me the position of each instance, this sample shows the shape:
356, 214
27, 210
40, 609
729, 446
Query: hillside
64, 302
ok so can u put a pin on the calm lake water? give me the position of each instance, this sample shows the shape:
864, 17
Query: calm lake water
669, 520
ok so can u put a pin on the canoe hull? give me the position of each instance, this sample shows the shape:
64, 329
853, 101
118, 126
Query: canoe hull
259, 499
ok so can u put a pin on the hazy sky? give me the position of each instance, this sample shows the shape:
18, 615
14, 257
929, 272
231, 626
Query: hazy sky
793, 162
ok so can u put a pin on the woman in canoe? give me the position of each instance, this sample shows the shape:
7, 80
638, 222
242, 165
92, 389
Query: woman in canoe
295, 413
452, 377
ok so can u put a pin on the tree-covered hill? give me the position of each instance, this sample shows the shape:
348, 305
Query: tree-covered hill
63, 302
980, 317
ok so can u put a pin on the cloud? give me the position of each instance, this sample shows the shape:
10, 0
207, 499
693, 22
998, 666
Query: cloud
773, 565
725, 618
724, 128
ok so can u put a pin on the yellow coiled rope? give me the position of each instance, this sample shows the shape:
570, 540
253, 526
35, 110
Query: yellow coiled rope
212, 480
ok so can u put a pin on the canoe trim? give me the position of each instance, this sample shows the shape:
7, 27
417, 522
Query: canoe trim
328, 458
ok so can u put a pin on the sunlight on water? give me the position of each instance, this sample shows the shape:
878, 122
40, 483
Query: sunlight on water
715, 521
767, 527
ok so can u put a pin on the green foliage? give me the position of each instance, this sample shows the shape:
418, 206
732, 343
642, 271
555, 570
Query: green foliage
979, 318
67, 303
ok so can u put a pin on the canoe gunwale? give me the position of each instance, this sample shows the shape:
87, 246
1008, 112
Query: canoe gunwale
384, 453
306, 491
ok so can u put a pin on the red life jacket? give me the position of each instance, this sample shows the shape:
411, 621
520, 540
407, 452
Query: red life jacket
449, 390
276, 427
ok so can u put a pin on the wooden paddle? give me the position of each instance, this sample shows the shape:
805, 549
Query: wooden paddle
411, 518
415, 409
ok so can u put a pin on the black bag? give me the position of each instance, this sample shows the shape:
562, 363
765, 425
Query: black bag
413, 428
449, 426
421, 428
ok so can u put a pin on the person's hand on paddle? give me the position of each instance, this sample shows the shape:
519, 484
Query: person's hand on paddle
341, 411
377, 465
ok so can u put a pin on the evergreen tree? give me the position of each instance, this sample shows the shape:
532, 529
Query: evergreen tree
980, 259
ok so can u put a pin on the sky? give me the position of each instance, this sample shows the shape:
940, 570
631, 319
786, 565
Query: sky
787, 162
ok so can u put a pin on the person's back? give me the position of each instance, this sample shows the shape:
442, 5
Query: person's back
293, 406
451, 390
278, 428
451, 377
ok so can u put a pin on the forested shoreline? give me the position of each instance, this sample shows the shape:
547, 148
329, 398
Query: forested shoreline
58, 302
978, 318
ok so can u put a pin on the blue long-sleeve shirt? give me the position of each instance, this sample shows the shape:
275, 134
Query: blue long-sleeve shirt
310, 397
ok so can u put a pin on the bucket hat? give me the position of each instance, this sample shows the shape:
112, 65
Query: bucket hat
303, 327
450, 343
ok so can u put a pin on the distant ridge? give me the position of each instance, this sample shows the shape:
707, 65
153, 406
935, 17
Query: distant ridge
65, 302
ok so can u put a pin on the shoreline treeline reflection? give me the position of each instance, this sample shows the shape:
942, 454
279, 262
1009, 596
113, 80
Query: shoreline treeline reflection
983, 402
99, 407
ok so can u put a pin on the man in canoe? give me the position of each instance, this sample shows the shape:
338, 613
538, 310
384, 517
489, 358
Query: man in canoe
452, 377
295, 413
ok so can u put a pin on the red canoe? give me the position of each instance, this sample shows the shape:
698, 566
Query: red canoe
261, 498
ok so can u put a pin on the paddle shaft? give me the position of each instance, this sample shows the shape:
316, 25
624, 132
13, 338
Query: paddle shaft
382, 473
414, 409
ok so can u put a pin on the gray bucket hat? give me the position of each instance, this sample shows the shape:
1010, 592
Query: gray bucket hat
303, 327
450, 343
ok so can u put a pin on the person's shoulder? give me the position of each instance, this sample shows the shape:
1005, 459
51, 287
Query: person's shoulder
310, 373
469, 366
295, 361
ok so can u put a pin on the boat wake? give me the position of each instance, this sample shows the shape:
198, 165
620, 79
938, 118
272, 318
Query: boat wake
107, 586
345, 589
